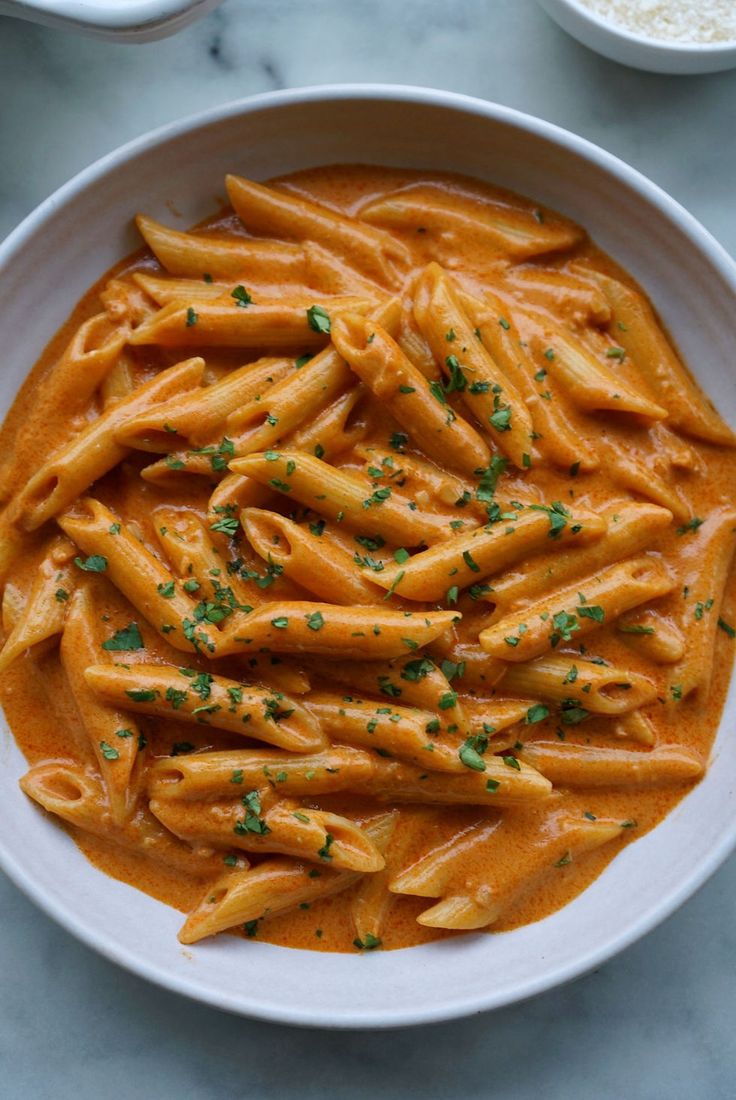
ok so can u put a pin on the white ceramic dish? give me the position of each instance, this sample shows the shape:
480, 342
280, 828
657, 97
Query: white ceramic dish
655, 55
63, 247
119, 20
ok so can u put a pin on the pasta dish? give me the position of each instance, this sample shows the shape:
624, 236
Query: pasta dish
366, 556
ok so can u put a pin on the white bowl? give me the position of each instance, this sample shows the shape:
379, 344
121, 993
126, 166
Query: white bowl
119, 20
62, 248
656, 55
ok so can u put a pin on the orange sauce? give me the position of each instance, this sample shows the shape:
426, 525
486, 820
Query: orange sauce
42, 714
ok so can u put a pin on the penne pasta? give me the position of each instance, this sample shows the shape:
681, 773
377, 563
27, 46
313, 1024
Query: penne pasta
498, 785
73, 795
483, 899
280, 213
95, 450
556, 437
113, 735
398, 731
379, 361
293, 548
273, 887
140, 576
377, 633
219, 775
599, 689
637, 331
590, 384
489, 395
573, 612
632, 527
493, 227
195, 255
200, 417
273, 324
43, 614
251, 825
344, 496
469, 558
199, 697
569, 765
705, 564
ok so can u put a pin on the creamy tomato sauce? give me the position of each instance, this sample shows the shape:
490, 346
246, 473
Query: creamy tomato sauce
40, 707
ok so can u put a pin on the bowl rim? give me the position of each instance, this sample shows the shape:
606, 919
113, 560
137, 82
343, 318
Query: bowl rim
662, 46
131, 16
76, 923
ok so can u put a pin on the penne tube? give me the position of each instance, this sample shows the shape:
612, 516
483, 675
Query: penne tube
73, 795
440, 485
417, 681
590, 384
375, 633
194, 255
560, 292
468, 558
569, 765
344, 496
557, 438
635, 472
482, 898
273, 324
379, 362
114, 737
571, 613
94, 450
492, 227
398, 731
184, 695
200, 416
126, 303
489, 395
635, 726
332, 576
163, 291
499, 785
430, 875
204, 569
219, 775
43, 615
272, 887
632, 527
704, 567
89, 357
140, 576
371, 902
279, 213
636, 330
599, 689
294, 401
652, 636
283, 827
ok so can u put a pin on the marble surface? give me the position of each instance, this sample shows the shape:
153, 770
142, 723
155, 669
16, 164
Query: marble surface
658, 1021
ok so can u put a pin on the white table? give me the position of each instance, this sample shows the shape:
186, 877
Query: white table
657, 1022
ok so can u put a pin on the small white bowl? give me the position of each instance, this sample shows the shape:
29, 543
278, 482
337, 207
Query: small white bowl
68, 243
117, 20
655, 55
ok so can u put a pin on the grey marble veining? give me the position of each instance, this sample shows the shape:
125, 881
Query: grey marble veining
657, 1022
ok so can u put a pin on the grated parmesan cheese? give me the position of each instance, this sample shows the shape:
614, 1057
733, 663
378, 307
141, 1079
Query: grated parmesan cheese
704, 21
